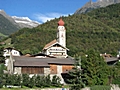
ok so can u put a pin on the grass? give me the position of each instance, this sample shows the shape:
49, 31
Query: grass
3, 35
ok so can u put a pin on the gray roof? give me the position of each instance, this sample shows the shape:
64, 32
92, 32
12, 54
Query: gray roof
111, 59
41, 62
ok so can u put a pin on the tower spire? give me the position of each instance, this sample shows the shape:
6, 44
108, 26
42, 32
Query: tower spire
61, 22
61, 34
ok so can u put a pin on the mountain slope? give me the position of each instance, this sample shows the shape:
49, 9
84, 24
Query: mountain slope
84, 31
9, 25
94, 5
6, 27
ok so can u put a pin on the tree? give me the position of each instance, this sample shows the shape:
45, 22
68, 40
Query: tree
31, 82
115, 73
76, 81
1, 82
2, 67
95, 69
2, 61
56, 81
40, 81
2, 58
25, 79
47, 81
17, 79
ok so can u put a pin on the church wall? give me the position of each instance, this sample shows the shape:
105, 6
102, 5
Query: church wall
57, 51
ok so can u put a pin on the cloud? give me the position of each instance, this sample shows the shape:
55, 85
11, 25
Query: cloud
48, 16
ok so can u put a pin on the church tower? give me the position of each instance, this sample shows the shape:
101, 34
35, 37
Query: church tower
61, 33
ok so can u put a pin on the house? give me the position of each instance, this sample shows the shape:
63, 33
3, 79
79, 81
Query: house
14, 52
110, 60
8, 54
42, 66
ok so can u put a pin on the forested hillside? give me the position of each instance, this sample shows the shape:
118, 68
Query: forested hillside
99, 29
6, 27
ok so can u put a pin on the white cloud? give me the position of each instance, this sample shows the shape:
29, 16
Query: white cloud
48, 16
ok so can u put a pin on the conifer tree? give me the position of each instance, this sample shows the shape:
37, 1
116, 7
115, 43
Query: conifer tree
76, 75
2, 58
2, 61
95, 69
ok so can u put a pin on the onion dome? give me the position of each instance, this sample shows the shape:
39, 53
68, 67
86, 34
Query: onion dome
60, 22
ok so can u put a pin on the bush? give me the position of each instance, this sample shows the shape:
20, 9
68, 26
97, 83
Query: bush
56, 81
99, 87
47, 81
31, 82
2, 67
1, 84
25, 80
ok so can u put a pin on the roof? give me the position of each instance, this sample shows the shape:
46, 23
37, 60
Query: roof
53, 43
11, 48
111, 59
41, 55
60, 22
50, 44
31, 63
41, 62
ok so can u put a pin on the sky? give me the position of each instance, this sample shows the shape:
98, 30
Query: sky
41, 10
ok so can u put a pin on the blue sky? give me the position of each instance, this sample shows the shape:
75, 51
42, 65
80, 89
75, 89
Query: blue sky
41, 10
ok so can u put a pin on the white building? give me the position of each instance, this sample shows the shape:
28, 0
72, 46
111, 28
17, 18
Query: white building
8, 51
8, 54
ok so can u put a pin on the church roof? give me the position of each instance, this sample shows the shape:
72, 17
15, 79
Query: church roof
50, 44
53, 43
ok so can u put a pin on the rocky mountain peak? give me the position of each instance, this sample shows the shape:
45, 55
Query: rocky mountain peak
2, 12
20, 22
93, 5
25, 22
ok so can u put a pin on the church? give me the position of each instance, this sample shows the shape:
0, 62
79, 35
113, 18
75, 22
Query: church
53, 60
57, 47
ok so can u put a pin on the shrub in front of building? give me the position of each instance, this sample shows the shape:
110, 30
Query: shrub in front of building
30, 82
99, 87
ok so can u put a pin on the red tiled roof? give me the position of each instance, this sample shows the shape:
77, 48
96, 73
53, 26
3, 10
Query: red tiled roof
60, 22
